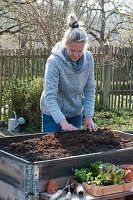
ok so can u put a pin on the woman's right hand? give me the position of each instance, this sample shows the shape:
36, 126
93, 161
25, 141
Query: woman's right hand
66, 126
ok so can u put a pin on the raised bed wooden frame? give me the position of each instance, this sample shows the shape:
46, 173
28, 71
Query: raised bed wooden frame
21, 179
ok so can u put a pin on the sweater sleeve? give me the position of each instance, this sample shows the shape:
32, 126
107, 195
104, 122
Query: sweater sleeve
51, 82
89, 90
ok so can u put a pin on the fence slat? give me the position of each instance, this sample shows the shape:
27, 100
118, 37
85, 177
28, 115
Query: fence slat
128, 63
27, 64
1, 69
112, 84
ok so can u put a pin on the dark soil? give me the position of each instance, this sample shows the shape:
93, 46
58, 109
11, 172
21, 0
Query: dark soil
66, 144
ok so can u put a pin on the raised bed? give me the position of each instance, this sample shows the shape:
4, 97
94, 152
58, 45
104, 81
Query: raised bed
23, 179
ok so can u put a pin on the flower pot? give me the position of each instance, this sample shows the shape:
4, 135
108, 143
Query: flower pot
52, 187
129, 176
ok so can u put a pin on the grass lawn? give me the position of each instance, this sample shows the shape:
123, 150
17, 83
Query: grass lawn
121, 120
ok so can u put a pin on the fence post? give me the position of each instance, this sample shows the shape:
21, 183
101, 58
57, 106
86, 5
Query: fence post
0, 83
106, 76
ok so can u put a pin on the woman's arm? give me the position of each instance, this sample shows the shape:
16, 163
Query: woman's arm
89, 98
51, 82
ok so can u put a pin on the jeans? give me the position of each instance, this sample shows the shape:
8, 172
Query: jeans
50, 126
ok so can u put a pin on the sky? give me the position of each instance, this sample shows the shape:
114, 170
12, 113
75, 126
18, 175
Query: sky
127, 2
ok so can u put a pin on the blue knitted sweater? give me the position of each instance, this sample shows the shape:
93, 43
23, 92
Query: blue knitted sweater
67, 90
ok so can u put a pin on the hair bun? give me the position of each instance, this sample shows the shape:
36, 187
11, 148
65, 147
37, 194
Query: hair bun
75, 24
76, 32
72, 21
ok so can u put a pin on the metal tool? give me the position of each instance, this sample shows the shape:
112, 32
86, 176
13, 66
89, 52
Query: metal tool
13, 123
68, 195
59, 193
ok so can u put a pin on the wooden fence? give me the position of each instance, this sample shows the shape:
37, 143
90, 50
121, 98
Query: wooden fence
113, 73
114, 77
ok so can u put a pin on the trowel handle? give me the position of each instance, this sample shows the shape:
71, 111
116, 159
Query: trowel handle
56, 195
80, 191
68, 196
79, 188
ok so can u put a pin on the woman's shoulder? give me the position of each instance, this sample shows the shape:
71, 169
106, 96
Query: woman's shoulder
88, 53
52, 63
52, 60
88, 56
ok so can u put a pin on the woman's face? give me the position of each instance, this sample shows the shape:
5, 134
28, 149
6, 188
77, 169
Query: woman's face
75, 50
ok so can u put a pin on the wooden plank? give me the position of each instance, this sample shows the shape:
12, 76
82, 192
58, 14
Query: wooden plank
13, 57
112, 90
8, 191
117, 76
128, 64
47, 196
33, 63
106, 83
28, 66
110, 82
115, 96
11, 64
9, 139
116, 84
5, 66
96, 95
43, 61
12, 170
20, 64
17, 63
127, 135
119, 88
24, 66
57, 168
37, 63
101, 86
131, 83
1, 75
123, 85
9, 67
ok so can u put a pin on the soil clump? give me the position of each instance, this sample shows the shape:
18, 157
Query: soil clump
66, 144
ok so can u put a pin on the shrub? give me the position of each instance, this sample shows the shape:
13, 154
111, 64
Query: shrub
24, 99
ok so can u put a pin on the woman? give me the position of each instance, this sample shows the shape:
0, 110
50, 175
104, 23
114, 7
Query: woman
69, 84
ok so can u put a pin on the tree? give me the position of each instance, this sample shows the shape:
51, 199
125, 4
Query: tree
32, 22
105, 18
44, 22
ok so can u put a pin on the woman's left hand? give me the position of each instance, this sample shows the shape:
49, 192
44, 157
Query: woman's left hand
90, 124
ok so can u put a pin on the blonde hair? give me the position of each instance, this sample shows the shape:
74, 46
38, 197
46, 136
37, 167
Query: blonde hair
75, 33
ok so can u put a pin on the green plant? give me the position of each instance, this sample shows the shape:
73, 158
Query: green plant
90, 177
33, 103
94, 168
81, 174
100, 173
110, 174
114, 118
24, 99
14, 96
